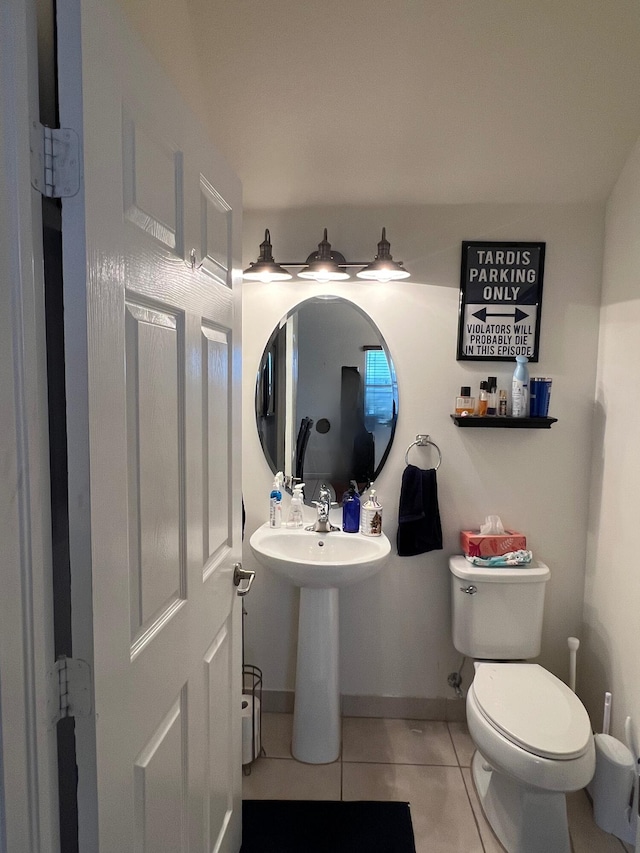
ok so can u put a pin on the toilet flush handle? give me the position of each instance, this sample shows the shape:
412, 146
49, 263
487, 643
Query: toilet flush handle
470, 590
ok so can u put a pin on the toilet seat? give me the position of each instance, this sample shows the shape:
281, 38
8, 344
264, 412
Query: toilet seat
533, 709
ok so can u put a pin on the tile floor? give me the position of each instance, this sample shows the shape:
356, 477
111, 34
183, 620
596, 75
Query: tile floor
422, 762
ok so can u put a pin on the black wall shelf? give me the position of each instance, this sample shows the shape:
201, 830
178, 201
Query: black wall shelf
502, 422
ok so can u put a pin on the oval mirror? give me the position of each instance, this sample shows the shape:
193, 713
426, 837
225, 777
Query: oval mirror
326, 397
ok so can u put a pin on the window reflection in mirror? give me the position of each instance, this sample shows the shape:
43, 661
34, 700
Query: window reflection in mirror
327, 397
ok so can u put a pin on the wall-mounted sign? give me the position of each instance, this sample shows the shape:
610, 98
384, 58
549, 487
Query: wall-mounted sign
500, 300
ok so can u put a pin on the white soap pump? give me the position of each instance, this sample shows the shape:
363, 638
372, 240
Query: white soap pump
295, 509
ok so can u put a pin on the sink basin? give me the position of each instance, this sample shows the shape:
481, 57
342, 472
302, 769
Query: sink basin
320, 564
320, 560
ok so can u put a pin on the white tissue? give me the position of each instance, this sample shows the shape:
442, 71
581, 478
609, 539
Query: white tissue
492, 526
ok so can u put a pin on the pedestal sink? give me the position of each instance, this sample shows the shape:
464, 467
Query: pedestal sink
319, 563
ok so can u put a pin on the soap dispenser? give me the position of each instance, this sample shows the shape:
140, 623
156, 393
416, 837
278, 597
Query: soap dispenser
295, 519
371, 516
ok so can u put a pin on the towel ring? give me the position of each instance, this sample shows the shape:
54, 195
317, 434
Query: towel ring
421, 441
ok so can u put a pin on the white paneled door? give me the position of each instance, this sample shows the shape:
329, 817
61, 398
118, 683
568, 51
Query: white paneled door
152, 324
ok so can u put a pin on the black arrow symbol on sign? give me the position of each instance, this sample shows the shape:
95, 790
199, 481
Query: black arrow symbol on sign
483, 314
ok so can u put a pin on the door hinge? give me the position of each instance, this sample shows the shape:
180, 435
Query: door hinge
55, 160
69, 692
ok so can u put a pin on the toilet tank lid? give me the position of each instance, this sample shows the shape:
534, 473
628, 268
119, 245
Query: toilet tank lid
534, 572
533, 709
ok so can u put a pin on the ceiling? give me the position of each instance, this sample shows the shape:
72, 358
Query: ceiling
358, 102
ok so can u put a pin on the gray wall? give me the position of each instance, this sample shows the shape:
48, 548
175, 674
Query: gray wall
611, 649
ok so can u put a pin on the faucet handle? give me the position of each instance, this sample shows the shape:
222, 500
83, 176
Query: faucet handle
324, 503
324, 494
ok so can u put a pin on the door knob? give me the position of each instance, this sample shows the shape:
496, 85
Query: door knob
239, 575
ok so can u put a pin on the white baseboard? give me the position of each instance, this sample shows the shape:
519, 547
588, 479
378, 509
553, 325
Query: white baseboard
390, 707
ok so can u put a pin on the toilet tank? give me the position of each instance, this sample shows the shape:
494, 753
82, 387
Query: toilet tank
497, 613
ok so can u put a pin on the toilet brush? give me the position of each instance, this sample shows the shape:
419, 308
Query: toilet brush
574, 645
606, 716
634, 804
614, 787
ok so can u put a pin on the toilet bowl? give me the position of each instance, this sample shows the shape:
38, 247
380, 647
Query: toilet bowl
532, 733
534, 743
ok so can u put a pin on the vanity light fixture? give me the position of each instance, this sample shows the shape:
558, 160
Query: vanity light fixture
326, 264
265, 268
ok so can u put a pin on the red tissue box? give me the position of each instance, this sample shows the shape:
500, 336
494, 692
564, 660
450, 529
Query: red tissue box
475, 544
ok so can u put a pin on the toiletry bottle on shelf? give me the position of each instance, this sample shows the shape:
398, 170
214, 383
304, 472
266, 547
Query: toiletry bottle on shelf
275, 501
371, 516
351, 509
492, 402
295, 509
483, 398
520, 388
502, 403
465, 403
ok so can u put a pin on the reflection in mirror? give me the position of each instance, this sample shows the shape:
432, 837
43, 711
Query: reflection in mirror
326, 397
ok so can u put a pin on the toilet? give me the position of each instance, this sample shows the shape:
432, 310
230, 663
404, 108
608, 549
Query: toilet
532, 734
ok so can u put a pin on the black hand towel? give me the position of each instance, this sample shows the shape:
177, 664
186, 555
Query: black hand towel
419, 527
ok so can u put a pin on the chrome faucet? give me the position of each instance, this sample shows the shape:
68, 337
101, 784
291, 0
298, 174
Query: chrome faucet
323, 505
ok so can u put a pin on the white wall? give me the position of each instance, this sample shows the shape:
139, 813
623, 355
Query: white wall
395, 628
611, 657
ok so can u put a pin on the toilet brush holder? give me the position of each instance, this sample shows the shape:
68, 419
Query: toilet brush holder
612, 788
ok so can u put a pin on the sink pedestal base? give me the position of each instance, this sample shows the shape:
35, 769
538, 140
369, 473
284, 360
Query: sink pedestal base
316, 718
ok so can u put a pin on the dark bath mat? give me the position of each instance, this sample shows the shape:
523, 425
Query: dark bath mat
320, 826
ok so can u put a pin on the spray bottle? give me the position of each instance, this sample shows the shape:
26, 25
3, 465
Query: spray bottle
520, 388
275, 501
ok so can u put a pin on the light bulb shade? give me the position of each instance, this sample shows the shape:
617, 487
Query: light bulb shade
265, 268
322, 271
325, 264
266, 272
377, 271
383, 267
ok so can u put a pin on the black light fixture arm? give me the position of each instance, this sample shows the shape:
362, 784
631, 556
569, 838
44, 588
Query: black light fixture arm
266, 250
323, 253
326, 255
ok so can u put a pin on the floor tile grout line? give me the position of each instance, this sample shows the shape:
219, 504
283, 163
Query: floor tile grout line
343, 761
453, 744
392, 762
473, 811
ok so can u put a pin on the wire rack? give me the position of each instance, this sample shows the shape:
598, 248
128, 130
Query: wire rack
251, 710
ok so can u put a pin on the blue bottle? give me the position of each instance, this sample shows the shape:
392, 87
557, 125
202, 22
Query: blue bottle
351, 509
